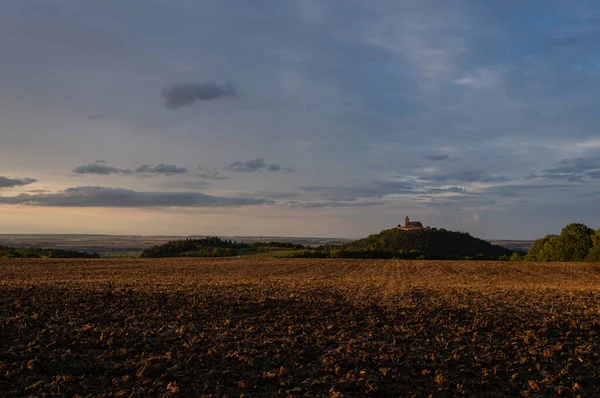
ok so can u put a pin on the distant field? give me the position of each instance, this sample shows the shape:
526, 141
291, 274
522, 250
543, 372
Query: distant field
520, 245
297, 327
132, 245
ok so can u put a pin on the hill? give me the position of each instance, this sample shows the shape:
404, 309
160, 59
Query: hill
429, 243
214, 247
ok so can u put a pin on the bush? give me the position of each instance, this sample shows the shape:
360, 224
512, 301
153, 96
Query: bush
516, 256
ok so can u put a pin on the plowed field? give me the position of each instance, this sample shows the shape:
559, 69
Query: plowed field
296, 327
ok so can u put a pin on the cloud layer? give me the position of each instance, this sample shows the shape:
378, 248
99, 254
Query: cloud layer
99, 168
382, 108
576, 169
119, 197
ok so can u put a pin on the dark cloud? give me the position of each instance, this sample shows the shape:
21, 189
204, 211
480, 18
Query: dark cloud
465, 176
166, 169
594, 174
578, 165
100, 169
119, 197
185, 94
437, 158
6, 182
256, 165
574, 170
210, 174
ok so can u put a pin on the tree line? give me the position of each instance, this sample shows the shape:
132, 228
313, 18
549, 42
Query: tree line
576, 242
212, 247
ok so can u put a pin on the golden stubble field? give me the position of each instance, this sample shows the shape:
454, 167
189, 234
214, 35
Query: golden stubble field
298, 327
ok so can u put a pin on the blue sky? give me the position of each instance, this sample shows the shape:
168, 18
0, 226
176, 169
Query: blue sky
299, 118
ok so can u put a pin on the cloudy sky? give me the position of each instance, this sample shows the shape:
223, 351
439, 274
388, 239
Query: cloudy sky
298, 118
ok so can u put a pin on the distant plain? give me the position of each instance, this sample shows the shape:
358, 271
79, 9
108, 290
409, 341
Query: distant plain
132, 245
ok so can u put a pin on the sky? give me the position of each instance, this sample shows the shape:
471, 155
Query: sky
329, 118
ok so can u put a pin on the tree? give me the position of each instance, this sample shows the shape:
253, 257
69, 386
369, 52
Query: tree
516, 256
594, 253
535, 252
575, 243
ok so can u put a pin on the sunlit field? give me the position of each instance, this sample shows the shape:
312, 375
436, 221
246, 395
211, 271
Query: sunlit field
296, 327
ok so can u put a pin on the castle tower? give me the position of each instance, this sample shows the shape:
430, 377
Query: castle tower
406, 221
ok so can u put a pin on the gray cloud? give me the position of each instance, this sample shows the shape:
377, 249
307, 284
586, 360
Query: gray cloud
100, 161
188, 184
100, 169
6, 182
185, 94
345, 196
251, 165
273, 195
437, 158
530, 176
522, 189
119, 197
445, 190
378, 189
578, 165
574, 170
166, 169
594, 174
314, 205
210, 174
465, 176
256, 165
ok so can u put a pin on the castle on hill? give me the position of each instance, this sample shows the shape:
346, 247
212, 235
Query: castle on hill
411, 225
